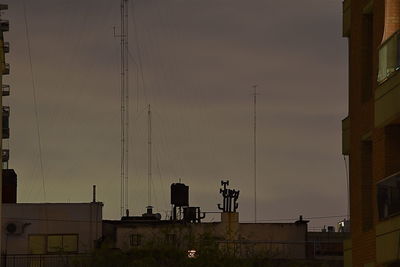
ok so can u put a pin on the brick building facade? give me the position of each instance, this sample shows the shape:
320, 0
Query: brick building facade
371, 132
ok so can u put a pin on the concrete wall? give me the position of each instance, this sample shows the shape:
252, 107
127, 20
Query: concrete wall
83, 219
278, 240
281, 240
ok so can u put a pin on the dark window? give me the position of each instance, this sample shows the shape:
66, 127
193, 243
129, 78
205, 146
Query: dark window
389, 196
135, 240
170, 239
366, 185
366, 57
392, 149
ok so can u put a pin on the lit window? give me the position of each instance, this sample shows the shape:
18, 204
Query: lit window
62, 243
54, 243
192, 253
37, 244
70, 243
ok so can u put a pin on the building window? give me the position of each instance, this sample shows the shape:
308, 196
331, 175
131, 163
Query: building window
37, 244
43, 244
62, 243
392, 149
170, 239
366, 185
389, 196
366, 57
135, 240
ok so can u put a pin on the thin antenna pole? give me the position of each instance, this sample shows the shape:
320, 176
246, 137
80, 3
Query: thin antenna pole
255, 150
122, 110
149, 174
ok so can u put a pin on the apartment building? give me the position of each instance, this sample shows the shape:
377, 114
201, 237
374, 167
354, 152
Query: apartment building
371, 132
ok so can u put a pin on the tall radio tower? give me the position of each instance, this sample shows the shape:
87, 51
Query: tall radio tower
124, 68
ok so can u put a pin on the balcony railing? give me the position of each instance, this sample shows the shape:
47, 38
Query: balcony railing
5, 90
6, 47
6, 122
5, 155
5, 133
6, 69
4, 25
6, 111
389, 57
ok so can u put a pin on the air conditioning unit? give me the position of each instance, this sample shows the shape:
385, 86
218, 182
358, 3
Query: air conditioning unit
15, 228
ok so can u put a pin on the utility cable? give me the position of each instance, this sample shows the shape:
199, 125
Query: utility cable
34, 99
139, 58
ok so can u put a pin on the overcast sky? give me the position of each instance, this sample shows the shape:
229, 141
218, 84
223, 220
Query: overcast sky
199, 60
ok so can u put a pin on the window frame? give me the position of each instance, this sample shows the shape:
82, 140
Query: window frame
382, 203
138, 240
46, 243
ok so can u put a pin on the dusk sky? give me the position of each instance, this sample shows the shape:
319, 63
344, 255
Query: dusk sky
200, 60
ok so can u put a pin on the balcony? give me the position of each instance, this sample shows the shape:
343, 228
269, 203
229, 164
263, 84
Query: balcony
5, 133
4, 25
387, 94
5, 90
5, 155
347, 253
388, 229
6, 111
6, 123
6, 69
389, 60
6, 47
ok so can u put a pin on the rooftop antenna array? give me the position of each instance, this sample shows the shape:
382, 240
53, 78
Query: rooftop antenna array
124, 82
230, 198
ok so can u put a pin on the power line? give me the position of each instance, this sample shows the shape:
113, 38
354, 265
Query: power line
34, 99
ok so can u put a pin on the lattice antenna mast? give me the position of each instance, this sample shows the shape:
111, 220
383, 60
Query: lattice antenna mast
124, 68
149, 174
255, 149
